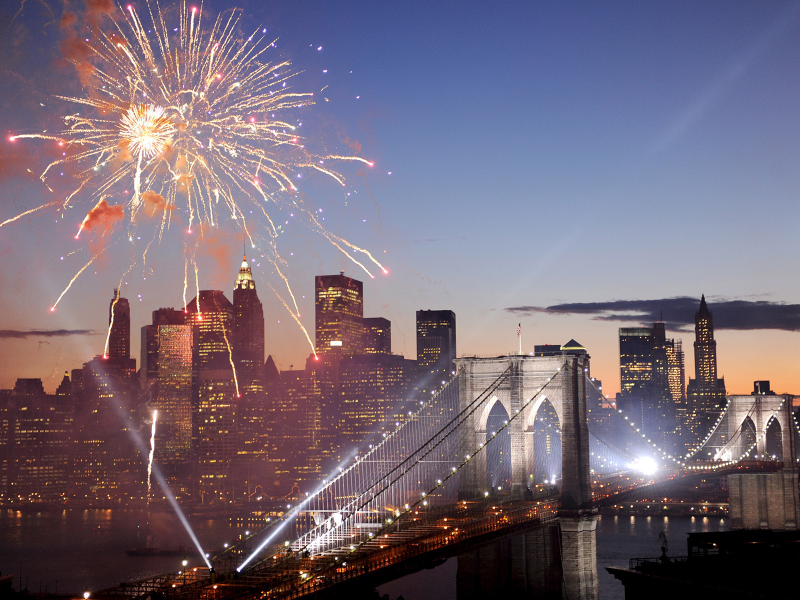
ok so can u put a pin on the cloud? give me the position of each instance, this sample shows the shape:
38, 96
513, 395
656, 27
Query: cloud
22, 334
678, 313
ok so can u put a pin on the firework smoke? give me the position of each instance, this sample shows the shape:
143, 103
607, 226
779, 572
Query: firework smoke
190, 124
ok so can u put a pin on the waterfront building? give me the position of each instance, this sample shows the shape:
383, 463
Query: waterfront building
35, 430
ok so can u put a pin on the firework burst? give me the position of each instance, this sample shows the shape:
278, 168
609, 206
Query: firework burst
188, 119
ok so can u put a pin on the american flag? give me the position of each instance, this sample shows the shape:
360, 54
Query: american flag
519, 329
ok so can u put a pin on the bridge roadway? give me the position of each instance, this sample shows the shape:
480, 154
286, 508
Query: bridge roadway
432, 536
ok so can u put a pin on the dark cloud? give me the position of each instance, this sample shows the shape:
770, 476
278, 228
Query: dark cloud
26, 333
678, 313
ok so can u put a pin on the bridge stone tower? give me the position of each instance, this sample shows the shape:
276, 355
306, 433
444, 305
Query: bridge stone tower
763, 500
524, 376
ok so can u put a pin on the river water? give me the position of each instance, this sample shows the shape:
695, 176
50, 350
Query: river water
74, 550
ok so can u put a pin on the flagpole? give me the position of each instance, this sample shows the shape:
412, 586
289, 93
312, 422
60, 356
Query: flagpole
519, 337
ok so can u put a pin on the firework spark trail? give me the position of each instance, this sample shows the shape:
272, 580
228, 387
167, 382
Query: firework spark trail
27, 212
286, 281
152, 452
111, 323
113, 304
78, 274
197, 115
230, 358
295, 317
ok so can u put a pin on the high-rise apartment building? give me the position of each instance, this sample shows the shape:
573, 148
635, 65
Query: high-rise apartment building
339, 314
436, 343
706, 392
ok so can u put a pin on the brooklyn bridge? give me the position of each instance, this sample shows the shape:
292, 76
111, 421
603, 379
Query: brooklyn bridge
459, 474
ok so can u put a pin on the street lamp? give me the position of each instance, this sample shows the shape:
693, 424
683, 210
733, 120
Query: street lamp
86, 594
185, 562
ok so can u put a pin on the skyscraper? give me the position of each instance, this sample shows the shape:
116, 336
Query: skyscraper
211, 314
436, 344
248, 331
118, 351
339, 314
706, 393
377, 335
215, 429
119, 335
166, 380
248, 356
645, 394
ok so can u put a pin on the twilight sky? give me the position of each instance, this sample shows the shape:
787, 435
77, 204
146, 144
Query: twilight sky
573, 167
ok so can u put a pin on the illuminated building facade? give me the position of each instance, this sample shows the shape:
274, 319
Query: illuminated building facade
35, 433
436, 345
646, 395
339, 314
166, 380
706, 393
374, 390
211, 314
377, 335
107, 467
217, 436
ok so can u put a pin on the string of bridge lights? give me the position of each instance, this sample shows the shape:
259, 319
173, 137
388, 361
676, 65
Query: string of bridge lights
313, 537
278, 524
408, 508
699, 447
665, 455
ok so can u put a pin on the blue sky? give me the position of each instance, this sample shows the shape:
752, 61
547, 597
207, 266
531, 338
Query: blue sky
540, 154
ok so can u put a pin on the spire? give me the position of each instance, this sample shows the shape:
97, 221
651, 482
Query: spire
703, 307
245, 278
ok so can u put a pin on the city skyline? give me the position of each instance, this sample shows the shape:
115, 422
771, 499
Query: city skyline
594, 133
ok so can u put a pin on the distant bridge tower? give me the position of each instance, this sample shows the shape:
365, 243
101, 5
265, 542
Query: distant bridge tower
567, 394
762, 500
